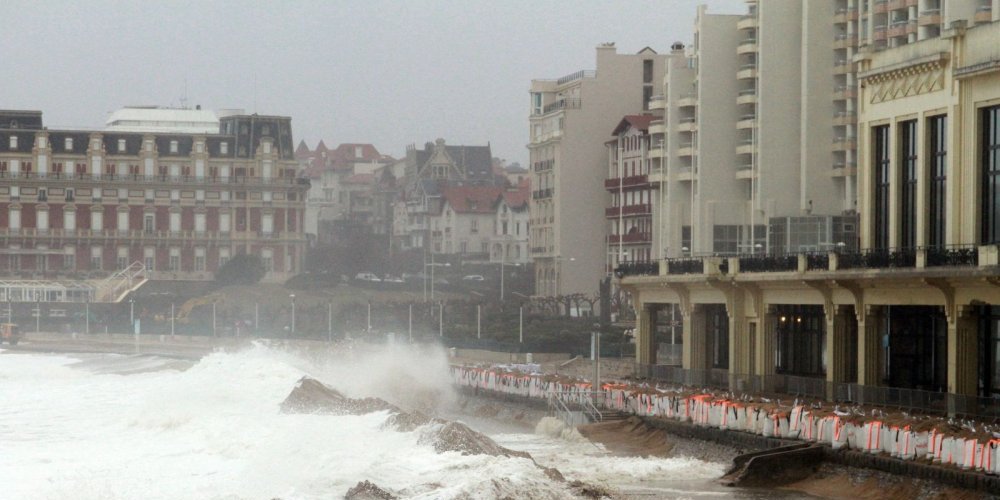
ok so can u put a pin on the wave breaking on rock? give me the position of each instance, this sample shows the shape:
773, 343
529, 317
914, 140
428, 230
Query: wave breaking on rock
312, 396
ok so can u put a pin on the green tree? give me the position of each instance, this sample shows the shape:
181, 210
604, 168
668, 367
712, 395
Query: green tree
242, 269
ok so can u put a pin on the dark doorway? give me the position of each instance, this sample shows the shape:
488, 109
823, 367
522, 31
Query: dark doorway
917, 357
668, 338
801, 342
717, 331
989, 351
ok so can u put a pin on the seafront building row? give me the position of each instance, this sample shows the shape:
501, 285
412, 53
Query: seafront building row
178, 196
910, 306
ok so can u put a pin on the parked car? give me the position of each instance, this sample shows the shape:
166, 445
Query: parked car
371, 277
392, 279
473, 277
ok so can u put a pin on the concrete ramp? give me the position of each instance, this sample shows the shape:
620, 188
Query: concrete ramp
774, 467
117, 286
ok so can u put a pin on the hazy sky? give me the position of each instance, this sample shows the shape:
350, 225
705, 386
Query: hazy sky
386, 72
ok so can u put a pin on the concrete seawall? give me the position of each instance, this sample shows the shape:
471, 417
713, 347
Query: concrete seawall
917, 469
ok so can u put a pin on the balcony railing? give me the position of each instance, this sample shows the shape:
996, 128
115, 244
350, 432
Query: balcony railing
836, 260
629, 210
567, 103
637, 237
632, 180
768, 263
166, 179
685, 266
543, 165
542, 193
878, 258
955, 255
584, 73
637, 268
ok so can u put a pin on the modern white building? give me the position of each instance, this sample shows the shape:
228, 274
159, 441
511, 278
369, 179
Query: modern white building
570, 120
156, 119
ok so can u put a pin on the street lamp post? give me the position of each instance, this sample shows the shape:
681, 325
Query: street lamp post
38, 315
131, 313
292, 296
86, 316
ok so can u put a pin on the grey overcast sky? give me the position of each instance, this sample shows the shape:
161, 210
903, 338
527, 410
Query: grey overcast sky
389, 73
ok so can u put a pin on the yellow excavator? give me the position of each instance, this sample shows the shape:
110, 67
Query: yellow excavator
9, 333
187, 307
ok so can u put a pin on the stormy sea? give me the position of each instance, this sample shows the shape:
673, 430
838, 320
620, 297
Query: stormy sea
292, 423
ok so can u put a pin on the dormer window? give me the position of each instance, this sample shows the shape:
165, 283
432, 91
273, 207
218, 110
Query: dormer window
173, 146
13, 142
224, 148
68, 144
121, 145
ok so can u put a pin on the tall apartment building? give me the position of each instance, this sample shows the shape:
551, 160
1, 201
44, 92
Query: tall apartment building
913, 314
77, 204
629, 215
570, 120
672, 156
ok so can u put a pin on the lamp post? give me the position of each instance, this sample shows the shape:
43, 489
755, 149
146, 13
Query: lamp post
369, 316
86, 315
131, 313
38, 315
292, 296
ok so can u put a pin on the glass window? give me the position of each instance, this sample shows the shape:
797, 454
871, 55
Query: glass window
880, 139
938, 174
908, 184
991, 174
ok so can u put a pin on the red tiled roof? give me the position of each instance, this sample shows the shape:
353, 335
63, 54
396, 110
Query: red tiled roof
640, 122
518, 197
340, 158
360, 179
472, 199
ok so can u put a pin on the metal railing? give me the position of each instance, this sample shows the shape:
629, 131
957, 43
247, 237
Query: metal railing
685, 266
584, 73
161, 178
768, 263
878, 258
952, 255
567, 103
818, 261
638, 268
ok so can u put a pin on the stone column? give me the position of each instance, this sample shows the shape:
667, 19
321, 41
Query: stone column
870, 325
838, 358
739, 353
766, 339
644, 336
963, 364
695, 358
